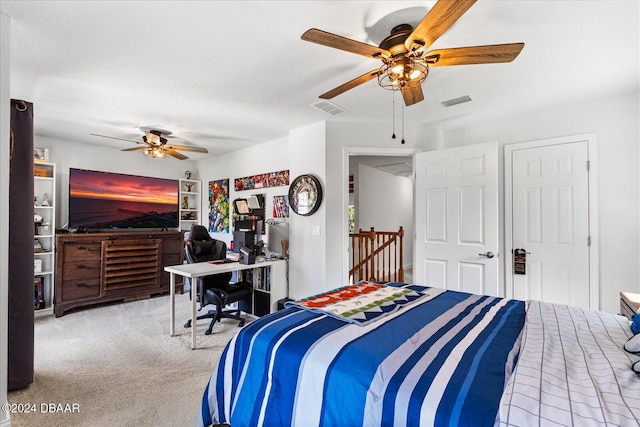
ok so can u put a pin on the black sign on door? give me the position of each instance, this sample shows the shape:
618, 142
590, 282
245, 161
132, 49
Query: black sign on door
519, 261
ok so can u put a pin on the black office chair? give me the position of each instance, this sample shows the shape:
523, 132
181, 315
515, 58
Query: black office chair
216, 289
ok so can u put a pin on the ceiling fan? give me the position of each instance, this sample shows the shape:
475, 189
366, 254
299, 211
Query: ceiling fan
404, 56
154, 144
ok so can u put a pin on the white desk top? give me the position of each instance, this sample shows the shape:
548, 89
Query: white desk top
201, 269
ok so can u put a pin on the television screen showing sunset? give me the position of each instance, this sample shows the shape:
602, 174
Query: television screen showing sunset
110, 200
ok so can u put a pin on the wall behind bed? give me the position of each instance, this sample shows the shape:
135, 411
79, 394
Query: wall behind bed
615, 121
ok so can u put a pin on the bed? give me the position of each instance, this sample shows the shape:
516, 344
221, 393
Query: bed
420, 356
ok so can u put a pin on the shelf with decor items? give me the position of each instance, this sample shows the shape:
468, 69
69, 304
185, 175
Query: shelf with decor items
190, 198
44, 216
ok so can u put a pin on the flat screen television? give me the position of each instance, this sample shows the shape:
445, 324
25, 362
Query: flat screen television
107, 200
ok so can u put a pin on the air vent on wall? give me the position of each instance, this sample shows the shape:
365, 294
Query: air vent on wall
456, 101
328, 107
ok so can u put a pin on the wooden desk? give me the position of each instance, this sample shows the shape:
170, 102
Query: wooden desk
197, 271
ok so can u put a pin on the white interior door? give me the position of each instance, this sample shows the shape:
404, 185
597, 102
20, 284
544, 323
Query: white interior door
456, 207
550, 221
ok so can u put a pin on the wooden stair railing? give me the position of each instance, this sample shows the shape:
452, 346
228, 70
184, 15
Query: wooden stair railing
377, 255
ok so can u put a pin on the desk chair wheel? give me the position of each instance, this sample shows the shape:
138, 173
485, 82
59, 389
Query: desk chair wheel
241, 324
188, 324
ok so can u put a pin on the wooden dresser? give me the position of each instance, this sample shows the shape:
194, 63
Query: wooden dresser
94, 268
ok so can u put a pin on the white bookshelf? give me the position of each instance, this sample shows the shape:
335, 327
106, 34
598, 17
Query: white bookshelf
190, 203
44, 189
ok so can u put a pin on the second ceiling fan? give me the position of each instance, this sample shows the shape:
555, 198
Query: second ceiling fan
154, 144
404, 56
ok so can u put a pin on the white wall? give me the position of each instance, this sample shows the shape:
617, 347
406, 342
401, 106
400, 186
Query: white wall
614, 120
5, 36
309, 254
385, 202
67, 155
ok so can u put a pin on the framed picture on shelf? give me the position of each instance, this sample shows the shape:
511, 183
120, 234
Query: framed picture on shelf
40, 154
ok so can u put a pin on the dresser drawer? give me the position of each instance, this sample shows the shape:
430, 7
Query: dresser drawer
78, 289
82, 269
92, 268
172, 245
76, 251
170, 259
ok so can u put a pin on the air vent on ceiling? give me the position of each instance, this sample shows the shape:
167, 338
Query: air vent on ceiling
328, 107
456, 101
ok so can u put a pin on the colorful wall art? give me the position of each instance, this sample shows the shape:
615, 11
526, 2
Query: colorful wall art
281, 206
264, 180
219, 206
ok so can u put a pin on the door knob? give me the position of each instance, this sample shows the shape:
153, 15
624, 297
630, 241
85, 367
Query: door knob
488, 254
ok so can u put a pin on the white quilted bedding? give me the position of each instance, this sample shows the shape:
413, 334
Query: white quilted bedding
572, 371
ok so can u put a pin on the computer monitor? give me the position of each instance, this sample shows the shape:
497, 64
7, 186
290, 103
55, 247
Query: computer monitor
276, 233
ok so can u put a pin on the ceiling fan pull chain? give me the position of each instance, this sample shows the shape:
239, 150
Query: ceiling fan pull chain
402, 142
393, 104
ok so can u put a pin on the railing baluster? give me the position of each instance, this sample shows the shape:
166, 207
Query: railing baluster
374, 258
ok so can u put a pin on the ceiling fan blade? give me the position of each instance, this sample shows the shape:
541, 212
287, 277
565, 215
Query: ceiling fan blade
187, 148
350, 84
474, 54
175, 154
338, 42
133, 149
113, 137
412, 95
441, 16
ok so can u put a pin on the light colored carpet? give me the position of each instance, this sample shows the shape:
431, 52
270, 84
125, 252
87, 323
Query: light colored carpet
121, 367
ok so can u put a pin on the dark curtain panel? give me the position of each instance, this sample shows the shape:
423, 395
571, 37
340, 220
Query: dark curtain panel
21, 231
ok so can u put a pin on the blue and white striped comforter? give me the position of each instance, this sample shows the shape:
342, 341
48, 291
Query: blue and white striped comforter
440, 361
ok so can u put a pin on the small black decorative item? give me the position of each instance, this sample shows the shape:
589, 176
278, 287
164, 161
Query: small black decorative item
305, 195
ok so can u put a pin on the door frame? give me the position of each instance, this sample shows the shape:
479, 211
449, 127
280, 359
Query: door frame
594, 275
363, 151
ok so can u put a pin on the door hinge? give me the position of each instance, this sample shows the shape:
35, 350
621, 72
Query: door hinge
588, 165
588, 240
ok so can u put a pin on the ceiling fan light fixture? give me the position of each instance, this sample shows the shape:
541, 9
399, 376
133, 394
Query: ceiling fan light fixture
415, 74
403, 72
397, 68
154, 152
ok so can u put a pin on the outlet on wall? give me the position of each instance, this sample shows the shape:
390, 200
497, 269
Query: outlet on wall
315, 230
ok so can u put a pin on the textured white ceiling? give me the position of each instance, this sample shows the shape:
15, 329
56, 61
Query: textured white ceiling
227, 74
